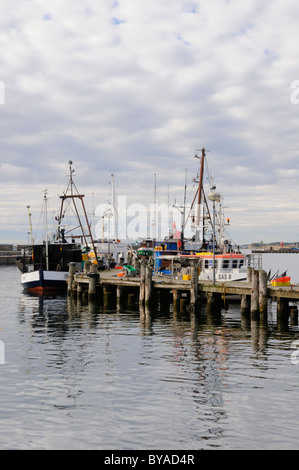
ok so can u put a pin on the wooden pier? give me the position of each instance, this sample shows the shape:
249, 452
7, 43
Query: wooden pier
147, 289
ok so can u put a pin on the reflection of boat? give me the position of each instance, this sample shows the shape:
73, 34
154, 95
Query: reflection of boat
50, 261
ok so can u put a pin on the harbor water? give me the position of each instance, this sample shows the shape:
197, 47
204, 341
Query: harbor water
77, 376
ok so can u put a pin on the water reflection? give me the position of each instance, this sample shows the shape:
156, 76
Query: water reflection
153, 377
60, 314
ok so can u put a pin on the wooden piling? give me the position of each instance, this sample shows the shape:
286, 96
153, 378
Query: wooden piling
283, 312
107, 297
131, 299
142, 283
294, 315
245, 304
183, 304
72, 271
194, 286
254, 308
249, 274
93, 280
263, 291
120, 295
148, 284
175, 299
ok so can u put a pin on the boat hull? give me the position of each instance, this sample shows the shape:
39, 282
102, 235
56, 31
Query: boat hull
44, 281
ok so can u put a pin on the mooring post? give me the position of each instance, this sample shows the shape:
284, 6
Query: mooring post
79, 290
194, 285
263, 291
142, 283
93, 280
87, 266
249, 274
72, 271
255, 292
148, 284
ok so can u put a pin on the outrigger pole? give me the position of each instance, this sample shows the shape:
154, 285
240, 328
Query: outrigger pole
73, 194
200, 194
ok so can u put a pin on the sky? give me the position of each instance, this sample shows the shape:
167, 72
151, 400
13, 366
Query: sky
135, 89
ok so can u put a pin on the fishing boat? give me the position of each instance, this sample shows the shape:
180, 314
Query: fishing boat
228, 267
217, 259
48, 271
50, 265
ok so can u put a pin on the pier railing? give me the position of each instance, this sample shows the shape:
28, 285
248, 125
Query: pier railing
255, 261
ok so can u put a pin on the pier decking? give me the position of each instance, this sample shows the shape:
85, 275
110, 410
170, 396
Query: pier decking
147, 287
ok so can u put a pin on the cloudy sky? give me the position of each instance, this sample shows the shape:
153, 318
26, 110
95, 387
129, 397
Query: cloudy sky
134, 88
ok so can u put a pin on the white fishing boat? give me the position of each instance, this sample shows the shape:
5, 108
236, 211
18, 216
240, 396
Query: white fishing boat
228, 267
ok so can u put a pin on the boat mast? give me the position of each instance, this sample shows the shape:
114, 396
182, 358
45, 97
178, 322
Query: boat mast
184, 210
200, 192
73, 194
46, 229
114, 235
30, 225
155, 209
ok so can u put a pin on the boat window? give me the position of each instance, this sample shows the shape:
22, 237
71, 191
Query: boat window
209, 263
241, 262
225, 264
235, 263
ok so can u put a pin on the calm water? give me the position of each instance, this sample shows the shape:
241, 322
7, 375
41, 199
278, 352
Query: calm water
77, 377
